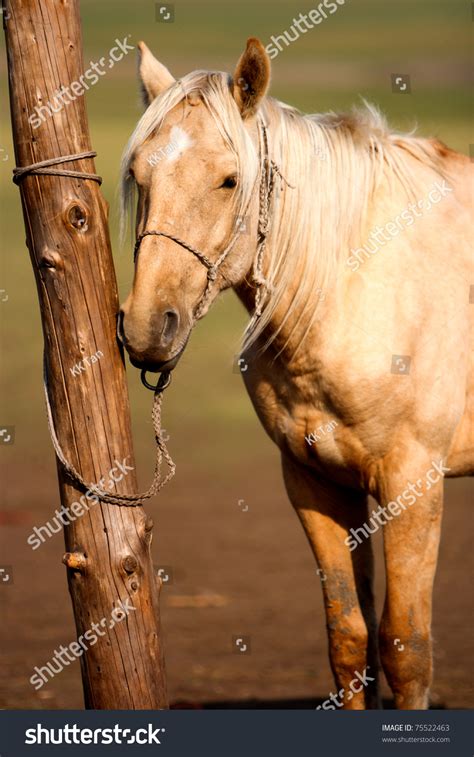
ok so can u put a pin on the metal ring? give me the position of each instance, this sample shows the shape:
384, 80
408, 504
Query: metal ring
162, 383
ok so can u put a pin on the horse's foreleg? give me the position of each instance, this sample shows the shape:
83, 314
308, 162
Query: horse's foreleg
411, 538
328, 513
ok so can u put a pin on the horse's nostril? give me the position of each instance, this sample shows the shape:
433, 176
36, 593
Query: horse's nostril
170, 325
120, 327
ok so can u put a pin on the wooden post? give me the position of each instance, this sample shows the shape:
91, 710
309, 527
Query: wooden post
108, 547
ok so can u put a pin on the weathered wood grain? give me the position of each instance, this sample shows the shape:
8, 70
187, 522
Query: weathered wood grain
68, 240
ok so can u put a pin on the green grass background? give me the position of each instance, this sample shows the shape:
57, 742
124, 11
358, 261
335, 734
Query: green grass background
352, 54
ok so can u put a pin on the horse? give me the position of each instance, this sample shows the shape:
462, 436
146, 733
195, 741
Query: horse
349, 246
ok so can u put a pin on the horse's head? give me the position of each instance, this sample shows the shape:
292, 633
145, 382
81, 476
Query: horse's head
195, 158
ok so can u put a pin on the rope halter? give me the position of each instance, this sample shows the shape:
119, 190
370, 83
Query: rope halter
269, 171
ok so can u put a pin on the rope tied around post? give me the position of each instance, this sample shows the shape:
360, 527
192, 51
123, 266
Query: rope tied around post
126, 500
43, 168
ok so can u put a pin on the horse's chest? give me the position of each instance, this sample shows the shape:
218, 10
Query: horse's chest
300, 425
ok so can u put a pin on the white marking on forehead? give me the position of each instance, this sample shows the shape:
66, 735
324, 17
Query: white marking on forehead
180, 141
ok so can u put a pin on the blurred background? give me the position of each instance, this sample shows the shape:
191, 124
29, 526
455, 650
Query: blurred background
225, 533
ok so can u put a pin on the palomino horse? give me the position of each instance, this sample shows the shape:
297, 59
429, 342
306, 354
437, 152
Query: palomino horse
354, 268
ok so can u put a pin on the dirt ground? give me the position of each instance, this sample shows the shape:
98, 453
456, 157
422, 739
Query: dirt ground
233, 572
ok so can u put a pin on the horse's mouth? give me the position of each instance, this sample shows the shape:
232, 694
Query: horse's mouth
158, 366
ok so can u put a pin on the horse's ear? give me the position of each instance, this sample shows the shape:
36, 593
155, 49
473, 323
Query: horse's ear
154, 76
252, 77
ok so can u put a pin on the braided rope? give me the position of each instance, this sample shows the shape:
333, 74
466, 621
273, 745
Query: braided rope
43, 168
267, 186
127, 500
200, 255
199, 311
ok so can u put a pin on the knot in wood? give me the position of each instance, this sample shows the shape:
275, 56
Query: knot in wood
129, 564
148, 524
50, 259
76, 217
75, 561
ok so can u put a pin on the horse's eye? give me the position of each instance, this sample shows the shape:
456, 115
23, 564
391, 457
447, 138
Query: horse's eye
230, 182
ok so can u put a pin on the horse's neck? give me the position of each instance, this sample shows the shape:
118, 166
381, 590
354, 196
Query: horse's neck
280, 331
295, 237
336, 206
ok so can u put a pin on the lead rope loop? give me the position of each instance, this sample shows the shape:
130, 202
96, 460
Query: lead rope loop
125, 500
